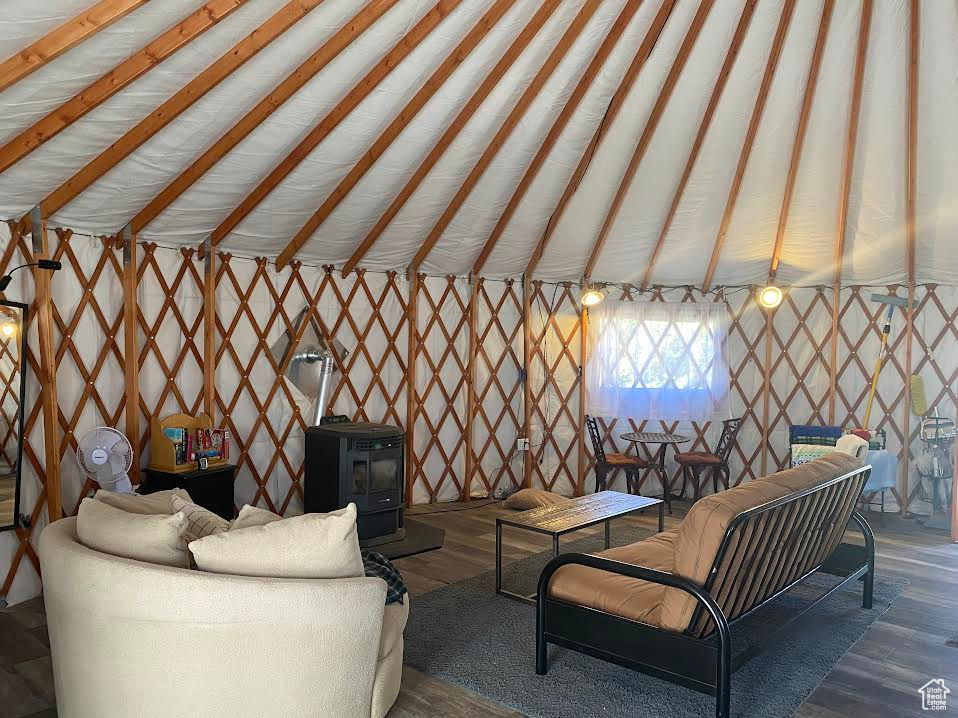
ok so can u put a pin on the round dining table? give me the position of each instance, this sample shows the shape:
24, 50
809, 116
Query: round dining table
663, 439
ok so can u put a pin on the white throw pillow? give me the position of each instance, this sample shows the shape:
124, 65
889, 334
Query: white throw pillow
308, 546
852, 445
200, 522
153, 538
253, 516
159, 502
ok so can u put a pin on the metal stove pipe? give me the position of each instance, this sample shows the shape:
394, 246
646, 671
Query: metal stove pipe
326, 370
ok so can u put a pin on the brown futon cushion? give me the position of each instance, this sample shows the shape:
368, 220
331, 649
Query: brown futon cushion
699, 538
688, 551
612, 593
827, 467
532, 499
703, 529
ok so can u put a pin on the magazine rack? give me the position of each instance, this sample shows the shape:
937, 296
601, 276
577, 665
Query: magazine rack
163, 449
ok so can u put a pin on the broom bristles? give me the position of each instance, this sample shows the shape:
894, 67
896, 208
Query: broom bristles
919, 403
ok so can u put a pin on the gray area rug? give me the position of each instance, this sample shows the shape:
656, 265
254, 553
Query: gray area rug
467, 635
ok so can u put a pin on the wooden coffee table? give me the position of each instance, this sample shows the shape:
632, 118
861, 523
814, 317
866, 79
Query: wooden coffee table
560, 519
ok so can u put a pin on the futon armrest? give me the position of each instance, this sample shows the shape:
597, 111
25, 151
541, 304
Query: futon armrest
632, 571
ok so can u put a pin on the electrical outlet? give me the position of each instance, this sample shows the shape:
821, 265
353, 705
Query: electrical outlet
522, 444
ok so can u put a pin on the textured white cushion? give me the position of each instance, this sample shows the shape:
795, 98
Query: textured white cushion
852, 445
252, 516
159, 502
394, 623
156, 538
228, 645
200, 522
308, 546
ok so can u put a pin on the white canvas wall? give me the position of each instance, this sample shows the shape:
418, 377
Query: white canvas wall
875, 227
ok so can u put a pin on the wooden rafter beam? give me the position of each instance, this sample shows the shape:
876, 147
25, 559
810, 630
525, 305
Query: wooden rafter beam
357, 94
65, 37
505, 130
598, 61
775, 54
546, 9
695, 29
212, 76
615, 105
115, 80
807, 99
848, 165
308, 69
748, 12
393, 130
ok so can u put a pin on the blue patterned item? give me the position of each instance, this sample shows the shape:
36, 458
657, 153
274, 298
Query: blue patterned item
378, 566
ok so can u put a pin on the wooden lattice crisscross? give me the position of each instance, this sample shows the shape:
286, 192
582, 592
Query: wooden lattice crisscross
19, 251
250, 409
461, 335
856, 357
228, 404
437, 461
10, 409
791, 391
70, 319
551, 405
746, 395
361, 312
108, 358
935, 337
611, 429
498, 394
186, 364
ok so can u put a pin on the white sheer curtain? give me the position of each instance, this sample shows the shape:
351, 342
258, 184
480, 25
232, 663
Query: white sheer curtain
658, 360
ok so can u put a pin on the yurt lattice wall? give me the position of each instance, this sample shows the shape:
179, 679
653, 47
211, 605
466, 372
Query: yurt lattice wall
469, 350
604, 95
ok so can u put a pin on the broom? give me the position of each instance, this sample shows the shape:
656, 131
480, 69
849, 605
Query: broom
892, 302
919, 402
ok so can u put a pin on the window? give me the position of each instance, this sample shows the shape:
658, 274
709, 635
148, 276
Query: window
658, 360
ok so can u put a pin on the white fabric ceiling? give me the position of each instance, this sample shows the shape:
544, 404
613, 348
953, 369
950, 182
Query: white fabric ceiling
876, 219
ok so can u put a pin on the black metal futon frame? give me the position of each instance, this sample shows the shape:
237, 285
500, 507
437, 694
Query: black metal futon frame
765, 552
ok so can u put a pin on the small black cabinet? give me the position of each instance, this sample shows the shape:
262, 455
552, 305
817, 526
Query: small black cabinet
212, 489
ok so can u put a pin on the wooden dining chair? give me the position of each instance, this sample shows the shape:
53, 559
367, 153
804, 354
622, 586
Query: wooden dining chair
693, 463
605, 463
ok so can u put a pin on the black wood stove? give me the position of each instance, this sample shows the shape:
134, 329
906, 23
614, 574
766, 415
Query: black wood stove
360, 463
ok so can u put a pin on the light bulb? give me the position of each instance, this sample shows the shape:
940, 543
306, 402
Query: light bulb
770, 296
591, 297
8, 329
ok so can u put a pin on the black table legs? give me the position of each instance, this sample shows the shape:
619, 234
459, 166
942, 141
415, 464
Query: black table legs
658, 461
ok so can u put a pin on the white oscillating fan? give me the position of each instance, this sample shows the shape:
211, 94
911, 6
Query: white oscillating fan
105, 455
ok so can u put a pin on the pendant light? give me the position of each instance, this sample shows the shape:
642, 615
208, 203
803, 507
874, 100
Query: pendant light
591, 296
770, 296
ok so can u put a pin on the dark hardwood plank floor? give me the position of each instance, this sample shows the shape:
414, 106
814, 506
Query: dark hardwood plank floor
917, 639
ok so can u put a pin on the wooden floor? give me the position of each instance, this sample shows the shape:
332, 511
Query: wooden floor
917, 640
